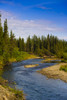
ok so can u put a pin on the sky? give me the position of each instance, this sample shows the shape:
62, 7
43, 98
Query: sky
40, 17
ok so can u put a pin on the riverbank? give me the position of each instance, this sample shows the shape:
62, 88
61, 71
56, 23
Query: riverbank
5, 94
54, 72
49, 60
21, 56
9, 93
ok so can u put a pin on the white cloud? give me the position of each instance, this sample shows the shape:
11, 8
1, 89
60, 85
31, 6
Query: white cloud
24, 28
65, 38
6, 14
6, 2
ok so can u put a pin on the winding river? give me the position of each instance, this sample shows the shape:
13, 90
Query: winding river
35, 85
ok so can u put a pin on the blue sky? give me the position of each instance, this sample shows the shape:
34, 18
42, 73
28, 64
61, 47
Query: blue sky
40, 17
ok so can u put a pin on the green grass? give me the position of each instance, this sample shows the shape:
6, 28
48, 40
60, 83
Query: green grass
64, 68
24, 55
17, 57
18, 94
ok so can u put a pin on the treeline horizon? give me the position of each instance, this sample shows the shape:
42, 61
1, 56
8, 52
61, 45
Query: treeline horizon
49, 45
10, 46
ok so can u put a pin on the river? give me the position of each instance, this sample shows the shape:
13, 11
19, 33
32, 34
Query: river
35, 85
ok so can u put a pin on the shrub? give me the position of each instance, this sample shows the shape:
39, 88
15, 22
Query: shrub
6, 57
65, 55
42, 52
64, 68
18, 94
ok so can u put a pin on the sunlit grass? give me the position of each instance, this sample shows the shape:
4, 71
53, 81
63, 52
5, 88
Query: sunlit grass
24, 56
12, 60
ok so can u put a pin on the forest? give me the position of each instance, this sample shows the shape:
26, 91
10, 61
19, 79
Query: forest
10, 47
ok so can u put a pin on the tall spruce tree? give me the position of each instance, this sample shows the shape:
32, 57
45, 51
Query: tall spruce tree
48, 42
1, 38
6, 53
6, 36
23, 45
12, 44
20, 44
28, 44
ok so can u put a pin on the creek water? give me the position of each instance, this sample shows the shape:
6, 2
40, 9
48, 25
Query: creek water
35, 85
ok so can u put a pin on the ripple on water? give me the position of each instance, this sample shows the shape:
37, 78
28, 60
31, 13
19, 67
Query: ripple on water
35, 85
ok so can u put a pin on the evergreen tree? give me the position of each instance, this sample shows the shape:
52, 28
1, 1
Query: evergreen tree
23, 45
20, 44
48, 42
1, 38
6, 37
6, 53
12, 43
28, 44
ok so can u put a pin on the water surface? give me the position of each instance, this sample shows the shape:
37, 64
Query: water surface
35, 85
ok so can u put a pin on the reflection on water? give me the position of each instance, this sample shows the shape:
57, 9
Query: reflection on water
35, 85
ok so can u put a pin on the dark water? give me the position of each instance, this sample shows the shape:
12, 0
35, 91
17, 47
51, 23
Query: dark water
35, 85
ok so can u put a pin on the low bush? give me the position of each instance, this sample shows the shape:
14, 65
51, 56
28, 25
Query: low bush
65, 55
64, 68
18, 94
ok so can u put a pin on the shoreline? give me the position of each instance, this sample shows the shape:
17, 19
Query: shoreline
49, 60
5, 89
54, 72
8, 93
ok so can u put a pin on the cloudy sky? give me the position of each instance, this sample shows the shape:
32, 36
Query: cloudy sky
40, 17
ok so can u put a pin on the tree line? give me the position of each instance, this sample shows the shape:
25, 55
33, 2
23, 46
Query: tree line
49, 45
10, 46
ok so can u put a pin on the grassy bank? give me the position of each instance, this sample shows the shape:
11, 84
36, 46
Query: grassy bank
12, 94
17, 57
7, 93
